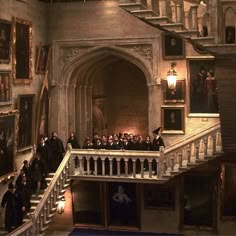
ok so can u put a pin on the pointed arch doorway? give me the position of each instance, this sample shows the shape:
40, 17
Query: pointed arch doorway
105, 90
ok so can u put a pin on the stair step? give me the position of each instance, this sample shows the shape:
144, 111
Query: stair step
143, 13
35, 201
203, 40
131, 6
157, 20
173, 26
187, 33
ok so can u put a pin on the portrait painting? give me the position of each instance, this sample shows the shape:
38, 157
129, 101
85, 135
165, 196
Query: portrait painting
43, 52
173, 47
87, 202
173, 119
8, 133
5, 41
22, 51
122, 208
43, 114
5, 87
26, 112
159, 196
203, 86
176, 95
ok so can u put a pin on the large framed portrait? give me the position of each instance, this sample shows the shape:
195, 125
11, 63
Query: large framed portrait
22, 51
159, 196
176, 95
43, 112
26, 116
173, 119
5, 88
122, 204
203, 86
5, 41
173, 47
43, 52
8, 142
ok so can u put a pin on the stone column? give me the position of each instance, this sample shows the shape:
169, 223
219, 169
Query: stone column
186, 19
173, 11
178, 13
154, 107
163, 8
194, 17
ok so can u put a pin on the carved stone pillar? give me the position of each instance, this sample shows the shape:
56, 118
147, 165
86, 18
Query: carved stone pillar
178, 13
186, 19
194, 17
173, 11
154, 112
163, 8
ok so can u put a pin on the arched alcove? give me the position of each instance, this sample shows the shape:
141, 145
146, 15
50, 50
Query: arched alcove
111, 68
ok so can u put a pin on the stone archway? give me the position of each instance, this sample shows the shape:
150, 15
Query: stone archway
73, 79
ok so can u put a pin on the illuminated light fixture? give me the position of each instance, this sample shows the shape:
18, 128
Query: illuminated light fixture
61, 206
172, 76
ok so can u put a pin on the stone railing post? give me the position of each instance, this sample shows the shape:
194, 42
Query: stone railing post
95, 165
142, 167
126, 166
118, 167
103, 166
134, 167
161, 160
194, 21
110, 166
218, 142
163, 8
201, 150
192, 153
150, 168
209, 145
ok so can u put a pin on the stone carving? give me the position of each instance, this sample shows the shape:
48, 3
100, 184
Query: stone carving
72, 52
144, 50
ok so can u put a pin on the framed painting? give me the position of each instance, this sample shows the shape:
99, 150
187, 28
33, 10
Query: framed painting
159, 196
8, 142
5, 41
122, 204
43, 112
26, 117
5, 88
230, 34
173, 47
43, 53
203, 86
22, 51
173, 119
176, 95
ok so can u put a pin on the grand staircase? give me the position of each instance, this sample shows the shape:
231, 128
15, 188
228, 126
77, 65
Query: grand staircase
192, 20
194, 151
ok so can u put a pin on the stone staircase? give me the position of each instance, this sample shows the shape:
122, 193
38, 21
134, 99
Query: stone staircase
168, 15
195, 151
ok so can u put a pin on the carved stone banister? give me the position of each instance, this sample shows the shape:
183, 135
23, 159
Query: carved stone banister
192, 138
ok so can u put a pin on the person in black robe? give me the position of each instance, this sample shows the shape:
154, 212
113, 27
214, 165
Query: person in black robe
57, 151
157, 140
73, 141
9, 202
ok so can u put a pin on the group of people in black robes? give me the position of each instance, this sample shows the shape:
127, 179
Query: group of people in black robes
125, 142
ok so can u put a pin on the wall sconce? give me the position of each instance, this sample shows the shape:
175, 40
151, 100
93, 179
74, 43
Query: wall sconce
172, 76
61, 206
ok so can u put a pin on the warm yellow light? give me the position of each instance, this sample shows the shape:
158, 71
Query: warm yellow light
171, 77
61, 206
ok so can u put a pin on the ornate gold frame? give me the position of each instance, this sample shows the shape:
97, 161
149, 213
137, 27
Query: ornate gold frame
19, 80
15, 131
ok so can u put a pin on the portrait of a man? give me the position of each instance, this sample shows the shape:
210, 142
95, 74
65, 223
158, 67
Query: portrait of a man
22, 51
173, 119
5, 41
173, 47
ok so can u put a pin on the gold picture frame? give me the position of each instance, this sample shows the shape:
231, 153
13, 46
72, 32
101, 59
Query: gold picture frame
172, 118
43, 53
5, 41
8, 145
176, 95
5, 88
22, 51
